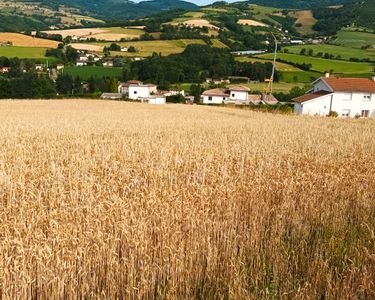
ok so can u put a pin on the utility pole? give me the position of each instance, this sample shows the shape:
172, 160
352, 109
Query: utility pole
274, 64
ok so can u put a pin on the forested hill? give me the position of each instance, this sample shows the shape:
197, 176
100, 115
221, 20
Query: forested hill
359, 13
298, 3
122, 9
366, 14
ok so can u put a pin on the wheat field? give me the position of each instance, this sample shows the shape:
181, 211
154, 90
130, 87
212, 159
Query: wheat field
115, 200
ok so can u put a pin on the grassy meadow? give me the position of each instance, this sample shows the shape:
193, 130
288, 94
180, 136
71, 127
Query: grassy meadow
346, 53
354, 39
288, 73
24, 52
111, 200
322, 65
165, 47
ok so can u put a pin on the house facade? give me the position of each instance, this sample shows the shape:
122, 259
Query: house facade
136, 90
348, 97
215, 96
139, 91
239, 95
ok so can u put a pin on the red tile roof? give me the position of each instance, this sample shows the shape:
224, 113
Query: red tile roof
350, 84
217, 92
310, 96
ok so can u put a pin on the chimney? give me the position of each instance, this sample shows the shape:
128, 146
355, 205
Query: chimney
326, 74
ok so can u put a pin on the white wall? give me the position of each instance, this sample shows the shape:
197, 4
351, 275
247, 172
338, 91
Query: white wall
157, 100
237, 95
342, 103
214, 99
136, 92
319, 106
354, 102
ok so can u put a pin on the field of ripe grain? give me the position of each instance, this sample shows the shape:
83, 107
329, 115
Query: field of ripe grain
22, 40
251, 23
102, 33
306, 20
115, 200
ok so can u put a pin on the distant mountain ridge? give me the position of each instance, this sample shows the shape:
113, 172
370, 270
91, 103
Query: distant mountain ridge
298, 4
123, 9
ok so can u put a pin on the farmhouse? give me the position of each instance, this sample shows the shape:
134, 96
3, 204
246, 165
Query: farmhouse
348, 97
136, 90
236, 94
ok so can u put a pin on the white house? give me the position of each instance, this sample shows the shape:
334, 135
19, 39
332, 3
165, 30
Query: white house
236, 95
215, 96
348, 97
139, 91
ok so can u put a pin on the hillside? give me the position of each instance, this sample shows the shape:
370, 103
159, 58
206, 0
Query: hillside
298, 4
109, 9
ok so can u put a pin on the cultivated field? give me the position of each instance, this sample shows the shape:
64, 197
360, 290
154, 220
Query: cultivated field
113, 200
24, 52
345, 53
146, 48
103, 33
197, 23
251, 23
322, 65
306, 19
18, 39
355, 39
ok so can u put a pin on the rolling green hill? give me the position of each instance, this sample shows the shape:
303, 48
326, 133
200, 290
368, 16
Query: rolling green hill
298, 3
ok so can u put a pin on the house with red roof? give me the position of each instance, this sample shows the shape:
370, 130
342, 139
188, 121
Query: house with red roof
348, 97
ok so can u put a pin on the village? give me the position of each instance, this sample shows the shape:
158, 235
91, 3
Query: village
328, 96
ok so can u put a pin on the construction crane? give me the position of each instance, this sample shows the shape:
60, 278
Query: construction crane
269, 81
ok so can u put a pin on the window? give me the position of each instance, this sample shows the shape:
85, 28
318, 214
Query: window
224, 98
233, 95
210, 98
347, 97
367, 97
365, 113
135, 92
345, 113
